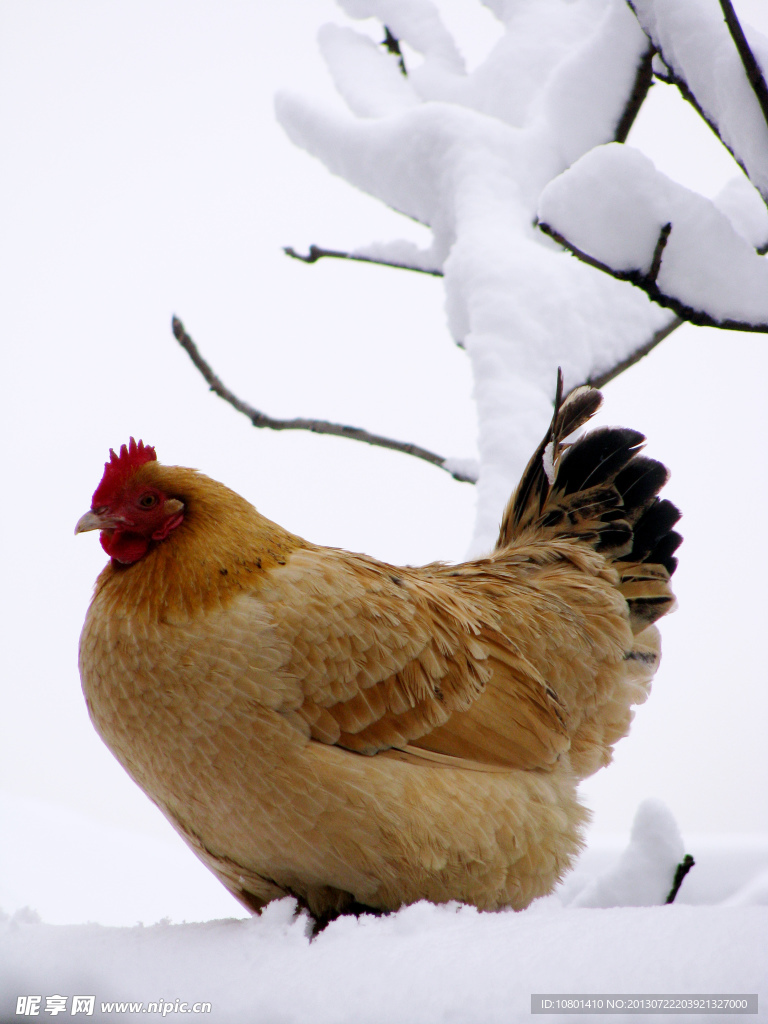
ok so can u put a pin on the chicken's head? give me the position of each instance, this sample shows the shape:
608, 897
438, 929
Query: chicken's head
130, 511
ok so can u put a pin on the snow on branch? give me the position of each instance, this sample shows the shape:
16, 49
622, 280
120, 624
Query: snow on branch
616, 212
716, 65
460, 469
752, 69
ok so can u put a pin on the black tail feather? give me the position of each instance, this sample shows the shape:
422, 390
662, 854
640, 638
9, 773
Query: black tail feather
601, 491
654, 539
531, 493
640, 481
596, 458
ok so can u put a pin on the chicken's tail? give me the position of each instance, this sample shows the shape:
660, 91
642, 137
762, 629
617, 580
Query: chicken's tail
603, 492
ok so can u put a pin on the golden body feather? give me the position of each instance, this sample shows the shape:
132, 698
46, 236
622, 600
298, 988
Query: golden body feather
319, 723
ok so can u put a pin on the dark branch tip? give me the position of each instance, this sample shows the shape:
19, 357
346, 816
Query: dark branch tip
658, 253
392, 44
681, 871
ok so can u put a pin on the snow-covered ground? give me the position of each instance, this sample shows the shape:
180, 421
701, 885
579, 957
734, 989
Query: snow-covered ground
423, 964
602, 932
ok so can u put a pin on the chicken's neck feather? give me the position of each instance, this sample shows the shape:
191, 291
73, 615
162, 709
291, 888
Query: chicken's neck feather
222, 548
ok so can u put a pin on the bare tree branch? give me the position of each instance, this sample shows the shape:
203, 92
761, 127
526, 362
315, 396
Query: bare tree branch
751, 67
599, 380
316, 253
643, 82
461, 473
647, 281
260, 419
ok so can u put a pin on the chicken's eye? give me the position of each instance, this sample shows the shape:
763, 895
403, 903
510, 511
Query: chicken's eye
148, 501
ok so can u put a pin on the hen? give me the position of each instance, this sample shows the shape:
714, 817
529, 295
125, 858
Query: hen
360, 736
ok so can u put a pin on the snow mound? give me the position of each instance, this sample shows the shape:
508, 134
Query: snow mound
645, 872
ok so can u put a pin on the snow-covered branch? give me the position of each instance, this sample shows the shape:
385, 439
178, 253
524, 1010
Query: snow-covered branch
459, 469
468, 154
534, 135
613, 210
752, 69
716, 64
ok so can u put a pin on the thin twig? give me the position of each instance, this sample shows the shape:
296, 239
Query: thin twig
751, 67
648, 285
681, 871
260, 419
658, 253
599, 380
316, 253
643, 82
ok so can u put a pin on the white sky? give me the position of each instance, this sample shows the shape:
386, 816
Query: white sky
143, 174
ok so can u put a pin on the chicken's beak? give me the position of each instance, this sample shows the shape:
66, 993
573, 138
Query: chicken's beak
95, 521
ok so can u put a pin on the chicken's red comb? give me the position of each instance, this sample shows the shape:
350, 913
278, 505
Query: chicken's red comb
119, 468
